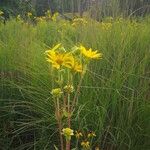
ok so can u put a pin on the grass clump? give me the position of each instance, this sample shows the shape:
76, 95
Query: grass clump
114, 94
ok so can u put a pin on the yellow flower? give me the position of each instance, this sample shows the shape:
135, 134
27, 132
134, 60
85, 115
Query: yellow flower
69, 88
85, 144
39, 19
29, 14
18, 17
77, 67
48, 14
67, 132
91, 134
79, 21
106, 26
56, 93
78, 134
90, 53
97, 148
59, 59
54, 17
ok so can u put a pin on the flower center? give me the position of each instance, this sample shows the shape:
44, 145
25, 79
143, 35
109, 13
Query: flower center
59, 61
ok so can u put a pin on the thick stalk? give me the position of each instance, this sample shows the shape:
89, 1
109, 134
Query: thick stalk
78, 89
69, 122
59, 124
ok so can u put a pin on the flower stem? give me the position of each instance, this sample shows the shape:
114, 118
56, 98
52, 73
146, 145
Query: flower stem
69, 122
58, 117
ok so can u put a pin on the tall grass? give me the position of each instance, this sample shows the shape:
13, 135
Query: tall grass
114, 95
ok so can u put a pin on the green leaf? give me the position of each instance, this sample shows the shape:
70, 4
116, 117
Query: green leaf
56, 147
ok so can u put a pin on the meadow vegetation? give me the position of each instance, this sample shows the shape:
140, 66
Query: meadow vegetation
114, 95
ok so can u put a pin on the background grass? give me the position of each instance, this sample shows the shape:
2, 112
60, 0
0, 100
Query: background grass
114, 98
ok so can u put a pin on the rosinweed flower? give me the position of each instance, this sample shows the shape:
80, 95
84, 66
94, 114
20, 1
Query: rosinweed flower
78, 134
67, 132
91, 134
85, 144
75, 65
58, 59
79, 21
56, 92
55, 15
29, 14
97, 148
68, 89
90, 54
106, 26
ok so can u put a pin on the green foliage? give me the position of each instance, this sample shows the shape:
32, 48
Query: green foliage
114, 95
15, 7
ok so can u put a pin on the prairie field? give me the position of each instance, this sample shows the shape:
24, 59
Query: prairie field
114, 95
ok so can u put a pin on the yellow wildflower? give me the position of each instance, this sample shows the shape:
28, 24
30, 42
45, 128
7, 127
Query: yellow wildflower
59, 59
29, 14
39, 19
69, 88
77, 67
48, 14
90, 53
106, 26
67, 132
85, 144
78, 134
91, 134
56, 93
79, 21
54, 17
97, 148
18, 17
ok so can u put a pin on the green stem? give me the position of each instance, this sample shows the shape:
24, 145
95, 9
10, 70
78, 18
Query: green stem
58, 116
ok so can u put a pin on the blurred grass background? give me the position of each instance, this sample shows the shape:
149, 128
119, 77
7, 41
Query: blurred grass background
114, 98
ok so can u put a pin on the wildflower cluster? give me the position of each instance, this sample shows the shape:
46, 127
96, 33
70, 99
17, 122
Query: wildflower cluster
48, 17
67, 64
85, 139
79, 21
106, 26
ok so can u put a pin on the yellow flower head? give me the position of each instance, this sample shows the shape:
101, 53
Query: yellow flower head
97, 148
85, 144
67, 132
55, 15
76, 66
78, 134
18, 17
106, 26
29, 14
90, 54
48, 14
56, 93
79, 21
69, 89
91, 134
58, 59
